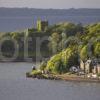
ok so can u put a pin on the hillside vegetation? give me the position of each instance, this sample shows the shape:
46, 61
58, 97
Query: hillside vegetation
72, 45
66, 44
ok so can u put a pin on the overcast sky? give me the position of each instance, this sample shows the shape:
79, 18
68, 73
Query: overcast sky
51, 3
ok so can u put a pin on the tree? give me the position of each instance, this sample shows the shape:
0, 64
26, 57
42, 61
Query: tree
61, 62
84, 53
62, 42
97, 49
54, 43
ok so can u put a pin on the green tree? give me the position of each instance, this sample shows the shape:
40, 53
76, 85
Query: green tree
54, 43
97, 49
84, 53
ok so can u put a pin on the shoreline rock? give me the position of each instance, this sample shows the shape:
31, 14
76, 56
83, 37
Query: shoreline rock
60, 77
42, 76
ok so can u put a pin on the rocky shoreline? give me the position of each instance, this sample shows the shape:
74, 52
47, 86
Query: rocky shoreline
43, 76
63, 77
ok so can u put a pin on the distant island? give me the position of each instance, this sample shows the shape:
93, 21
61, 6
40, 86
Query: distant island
75, 53
74, 49
63, 48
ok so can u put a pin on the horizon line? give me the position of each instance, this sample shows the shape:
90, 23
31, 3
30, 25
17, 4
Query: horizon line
47, 8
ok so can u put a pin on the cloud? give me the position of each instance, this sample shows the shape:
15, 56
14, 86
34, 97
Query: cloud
51, 3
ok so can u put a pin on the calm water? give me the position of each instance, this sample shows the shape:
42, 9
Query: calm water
19, 23
15, 86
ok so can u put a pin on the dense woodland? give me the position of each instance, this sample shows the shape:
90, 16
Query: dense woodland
67, 43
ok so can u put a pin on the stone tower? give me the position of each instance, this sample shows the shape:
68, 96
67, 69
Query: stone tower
42, 25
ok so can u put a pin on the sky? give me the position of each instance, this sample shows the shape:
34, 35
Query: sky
56, 4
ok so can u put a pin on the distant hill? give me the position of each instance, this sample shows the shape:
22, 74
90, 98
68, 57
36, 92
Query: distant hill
6, 12
12, 19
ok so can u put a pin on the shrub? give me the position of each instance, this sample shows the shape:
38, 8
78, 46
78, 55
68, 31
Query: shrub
35, 72
43, 65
